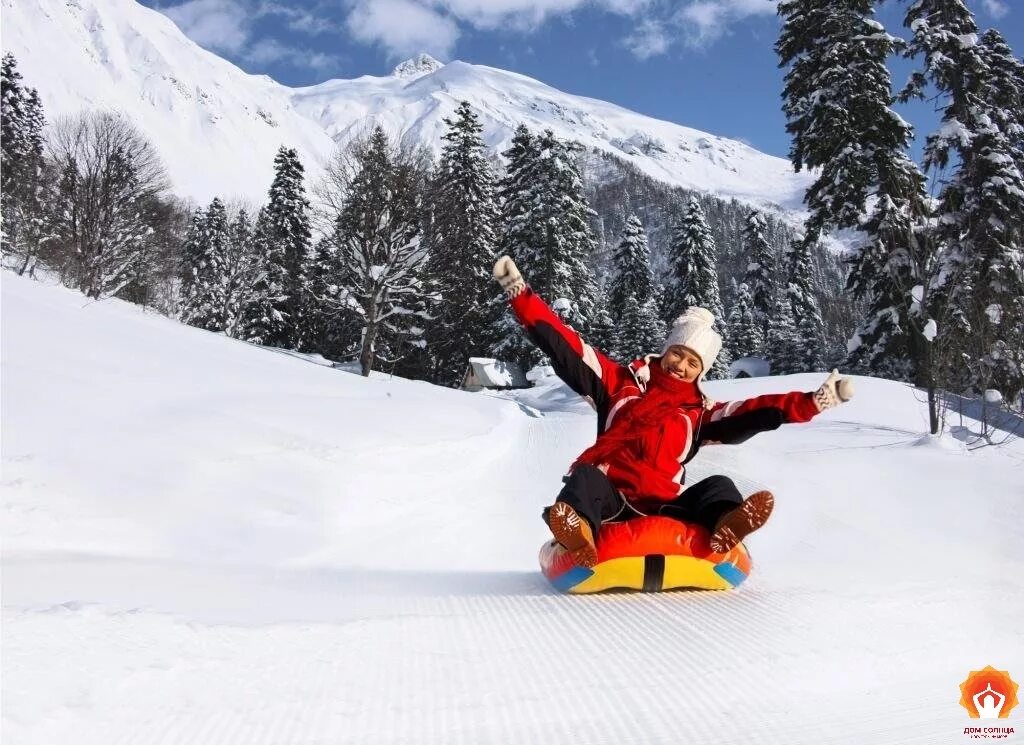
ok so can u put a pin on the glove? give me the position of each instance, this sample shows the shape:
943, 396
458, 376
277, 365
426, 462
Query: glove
833, 391
508, 276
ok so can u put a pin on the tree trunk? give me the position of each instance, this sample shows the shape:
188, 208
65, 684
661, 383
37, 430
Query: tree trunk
366, 353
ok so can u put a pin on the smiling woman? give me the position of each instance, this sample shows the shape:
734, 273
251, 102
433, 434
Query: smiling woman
652, 418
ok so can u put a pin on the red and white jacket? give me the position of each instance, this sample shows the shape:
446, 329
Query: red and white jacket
650, 470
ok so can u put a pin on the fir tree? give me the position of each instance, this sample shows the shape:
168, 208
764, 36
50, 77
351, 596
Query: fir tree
633, 297
23, 188
517, 234
809, 340
206, 283
760, 276
463, 238
781, 346
837, 101
260, 320
980, 214
745, 332
547, 233
693, 278
288, 233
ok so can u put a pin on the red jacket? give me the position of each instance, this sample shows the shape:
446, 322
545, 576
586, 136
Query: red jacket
651, 468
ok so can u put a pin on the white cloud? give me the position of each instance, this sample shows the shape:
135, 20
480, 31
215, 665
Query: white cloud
310, 21
697, 24
996, 8
648, 39
267, 51
403, 27
702, 22
226, 26
221, 25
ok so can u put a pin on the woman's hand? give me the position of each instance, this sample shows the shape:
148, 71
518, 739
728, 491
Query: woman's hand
508, 276
834, 391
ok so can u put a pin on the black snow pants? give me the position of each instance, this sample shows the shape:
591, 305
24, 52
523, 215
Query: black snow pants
589, 492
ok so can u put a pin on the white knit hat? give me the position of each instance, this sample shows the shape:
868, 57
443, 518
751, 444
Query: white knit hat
694, 331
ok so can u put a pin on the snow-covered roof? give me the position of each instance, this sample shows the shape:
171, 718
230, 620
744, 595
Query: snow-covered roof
754, 367
492, 373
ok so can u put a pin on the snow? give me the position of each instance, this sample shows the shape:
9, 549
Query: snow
930, 330
199, 109
206, 540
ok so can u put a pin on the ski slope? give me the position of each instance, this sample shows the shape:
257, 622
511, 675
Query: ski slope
210, 542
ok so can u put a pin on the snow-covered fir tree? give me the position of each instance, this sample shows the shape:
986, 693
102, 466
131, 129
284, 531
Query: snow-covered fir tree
693, 277
633, 297
260, 320
837, 101
463, 239
242, 267
378, 234
288, 233
760, 275
326, 323
547, 232
980, 213
809, 341
23, 224
782, 344
206, 267
746, 336
603, 327
516, 234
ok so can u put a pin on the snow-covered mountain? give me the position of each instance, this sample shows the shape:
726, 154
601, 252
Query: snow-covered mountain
217, 127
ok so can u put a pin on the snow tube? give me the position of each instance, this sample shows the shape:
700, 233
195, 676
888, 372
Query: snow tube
648, 554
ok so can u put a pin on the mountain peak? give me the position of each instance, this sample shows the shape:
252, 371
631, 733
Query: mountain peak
418, 66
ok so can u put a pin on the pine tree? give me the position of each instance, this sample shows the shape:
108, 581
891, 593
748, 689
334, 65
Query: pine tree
547, 233
760, 276
693, 279
980, 215
781, 346
633, 296
260, 320
745, 332
515, 237
382, 261
206, 283
288, 233
838, 105
809, 341
23, 187
603, 328
463, 238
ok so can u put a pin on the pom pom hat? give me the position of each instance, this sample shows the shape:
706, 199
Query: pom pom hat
694, 330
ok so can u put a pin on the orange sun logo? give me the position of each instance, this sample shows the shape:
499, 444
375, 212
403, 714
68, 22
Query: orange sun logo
988, 694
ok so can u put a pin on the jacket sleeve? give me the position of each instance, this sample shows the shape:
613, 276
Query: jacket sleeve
736, 421
583, 368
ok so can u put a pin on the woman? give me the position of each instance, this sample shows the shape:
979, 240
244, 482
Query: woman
652, 417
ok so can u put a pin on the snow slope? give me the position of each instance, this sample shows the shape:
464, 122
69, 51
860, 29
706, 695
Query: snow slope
205, 541
217, 127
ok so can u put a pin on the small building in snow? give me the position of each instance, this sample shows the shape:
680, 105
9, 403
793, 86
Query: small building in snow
750, 367
484, 372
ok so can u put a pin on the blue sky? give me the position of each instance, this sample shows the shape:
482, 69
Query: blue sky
707, 64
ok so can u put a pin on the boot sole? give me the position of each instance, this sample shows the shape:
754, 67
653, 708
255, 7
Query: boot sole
742, 521
573, 533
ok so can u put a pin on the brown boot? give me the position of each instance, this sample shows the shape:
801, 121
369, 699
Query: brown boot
574, 533
741, 521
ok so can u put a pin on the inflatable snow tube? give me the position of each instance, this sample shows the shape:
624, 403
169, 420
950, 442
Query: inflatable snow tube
649, 554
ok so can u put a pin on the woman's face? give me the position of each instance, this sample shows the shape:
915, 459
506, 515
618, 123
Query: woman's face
681, 363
